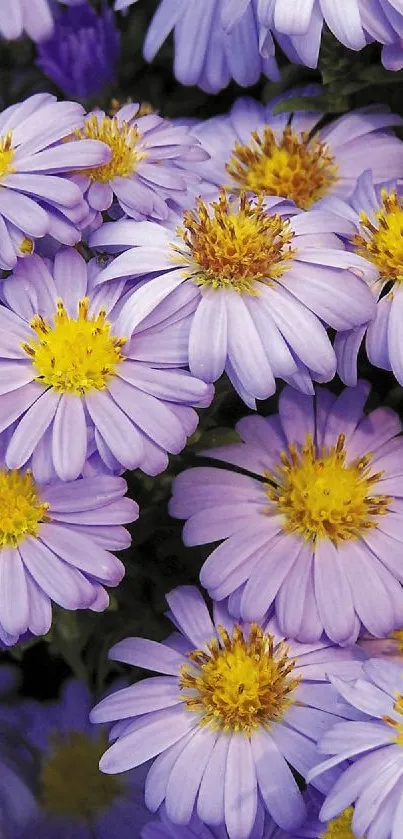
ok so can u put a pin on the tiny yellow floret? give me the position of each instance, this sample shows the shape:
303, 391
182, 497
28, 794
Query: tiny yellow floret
240, 682
71, 783
21, 508
321, 496
74, 355
293, 166
6, 155
340, 828
381, 240
124, 142
232, 245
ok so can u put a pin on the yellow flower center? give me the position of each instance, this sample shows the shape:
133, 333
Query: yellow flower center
239, 683
295, 167
236, 245
321, 497
340, 828
70, 781
21, 509
124, 143
6, 155
381, 242
74, 355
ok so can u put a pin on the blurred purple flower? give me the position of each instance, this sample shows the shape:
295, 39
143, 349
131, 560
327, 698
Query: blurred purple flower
81, 56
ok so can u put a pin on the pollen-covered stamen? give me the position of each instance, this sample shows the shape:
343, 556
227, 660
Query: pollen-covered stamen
21, 509
321, 496
293, 166
397, 725
74, 355
231, 245
340, 827
240, 682
6, 154
71, 784
381, 240
124, 142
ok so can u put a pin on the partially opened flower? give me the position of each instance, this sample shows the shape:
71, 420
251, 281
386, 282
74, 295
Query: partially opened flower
266, 281
74, 800
71, 377
205, 53
253, 148
35, 198
377, 213
55, 543
236, 704
82, 55
374, 780
143, 172
316, 527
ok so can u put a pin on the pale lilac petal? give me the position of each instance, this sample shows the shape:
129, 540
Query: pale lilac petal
240, 796
14, 607
186, 775
31, 428
69, 438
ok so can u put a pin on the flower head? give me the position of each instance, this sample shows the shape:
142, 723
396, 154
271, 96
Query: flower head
377, 213
81, 57
317, 530
143, 172
373, 745
255, 149
225, 719
266, 279
35, 198
55, 543
205, 53
73, 798
74, 379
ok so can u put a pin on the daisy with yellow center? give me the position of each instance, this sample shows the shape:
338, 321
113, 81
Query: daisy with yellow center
253, 270
233, 708
311, 524
142, 172
75, 377
265, 152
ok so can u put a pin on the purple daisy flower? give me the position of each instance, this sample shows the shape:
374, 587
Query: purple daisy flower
377, 214
266, 280
143, 171
205, 53
374, 780
82, 55
34, 198
55, 543
316, 527
236, 704
74, 799
69, 368
254, 149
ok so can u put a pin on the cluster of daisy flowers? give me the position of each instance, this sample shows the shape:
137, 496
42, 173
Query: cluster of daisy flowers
141, 261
